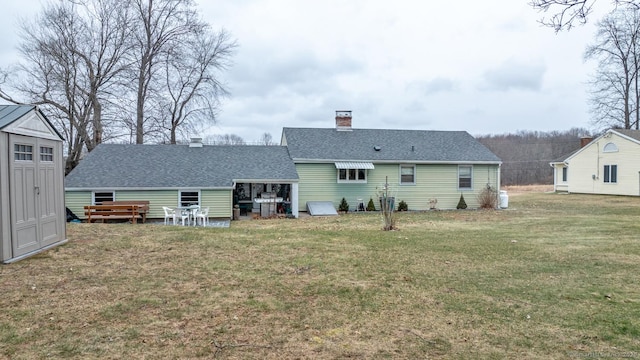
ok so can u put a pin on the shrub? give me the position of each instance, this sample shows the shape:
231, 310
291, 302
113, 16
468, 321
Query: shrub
461, 204
344, 205
402, 206
370, 205
488, 198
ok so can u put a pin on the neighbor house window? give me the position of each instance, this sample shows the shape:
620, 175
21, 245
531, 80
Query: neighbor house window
46, 153
464, 176
23, 152
352, 175
564, 174
99, 197
611, 173
610, 147
189, 198
407, 174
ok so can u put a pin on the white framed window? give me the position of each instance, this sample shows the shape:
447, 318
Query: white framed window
189, 197
610, 147
46, 154
407, 174
352, 175
465, 177
22, 152
100, 196
564, 173
611, 174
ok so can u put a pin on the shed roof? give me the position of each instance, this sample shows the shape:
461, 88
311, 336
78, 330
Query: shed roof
10, 113
118, 166
383, 145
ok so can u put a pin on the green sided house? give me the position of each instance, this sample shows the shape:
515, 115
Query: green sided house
607, 165
180, 175
426, 169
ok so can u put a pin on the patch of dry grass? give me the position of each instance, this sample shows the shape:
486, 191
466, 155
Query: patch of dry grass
554, 276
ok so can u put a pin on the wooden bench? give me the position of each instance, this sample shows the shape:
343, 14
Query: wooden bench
143, 206
112, 212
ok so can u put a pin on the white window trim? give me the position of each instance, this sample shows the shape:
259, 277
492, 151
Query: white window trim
458, 178
604, 177
400, 174
609, 148
349, 181
93, 196
196, 191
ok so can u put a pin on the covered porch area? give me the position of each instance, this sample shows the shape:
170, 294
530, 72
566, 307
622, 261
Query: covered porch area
264, 199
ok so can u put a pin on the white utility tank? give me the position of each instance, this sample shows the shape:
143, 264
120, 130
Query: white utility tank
504, 199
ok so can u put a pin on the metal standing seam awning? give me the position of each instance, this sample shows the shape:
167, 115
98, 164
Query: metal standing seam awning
354, 165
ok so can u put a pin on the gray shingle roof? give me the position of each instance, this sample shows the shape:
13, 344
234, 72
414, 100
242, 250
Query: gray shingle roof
634, 134
11, 113
113, 166
395, 146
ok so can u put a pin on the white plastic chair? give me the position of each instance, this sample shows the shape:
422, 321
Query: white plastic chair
169, 214
185, 215
204, 216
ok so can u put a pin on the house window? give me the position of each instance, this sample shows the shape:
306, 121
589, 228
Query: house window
564, 174
352, 175
407, 174
99, 197
46, 153
611, 174
610, 147
189, 198
22, 152
464, 176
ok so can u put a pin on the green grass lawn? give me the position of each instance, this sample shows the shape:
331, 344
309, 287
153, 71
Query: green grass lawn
555, 276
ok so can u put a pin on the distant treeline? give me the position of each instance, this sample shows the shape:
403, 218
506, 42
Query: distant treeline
526, 154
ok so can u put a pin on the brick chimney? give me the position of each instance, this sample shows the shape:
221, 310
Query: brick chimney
585, 140
343, 120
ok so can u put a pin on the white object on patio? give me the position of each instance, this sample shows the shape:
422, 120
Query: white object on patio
204, 216
169, 213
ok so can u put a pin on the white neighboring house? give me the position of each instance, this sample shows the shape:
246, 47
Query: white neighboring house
609, 164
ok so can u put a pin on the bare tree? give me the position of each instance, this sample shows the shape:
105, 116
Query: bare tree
176, 60
73, 51
266, 139
614, 94
192, 90
566, 13
79, 59
226, 139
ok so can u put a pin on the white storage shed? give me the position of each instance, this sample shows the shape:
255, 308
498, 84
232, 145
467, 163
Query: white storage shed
32, 209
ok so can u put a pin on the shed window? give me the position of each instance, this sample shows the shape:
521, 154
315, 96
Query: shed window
23, 152
99, 197
465, 176
189, 198
611, 174
46, 153
407, 174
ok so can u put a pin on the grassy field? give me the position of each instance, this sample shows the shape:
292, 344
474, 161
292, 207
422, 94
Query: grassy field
555, 276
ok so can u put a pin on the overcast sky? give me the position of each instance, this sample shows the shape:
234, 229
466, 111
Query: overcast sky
486, 67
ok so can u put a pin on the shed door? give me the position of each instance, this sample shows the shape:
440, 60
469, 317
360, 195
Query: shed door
34, 189
23, 186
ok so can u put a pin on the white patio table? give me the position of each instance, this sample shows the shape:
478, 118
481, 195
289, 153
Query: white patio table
191, 211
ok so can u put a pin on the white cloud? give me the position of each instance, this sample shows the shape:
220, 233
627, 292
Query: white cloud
480, 66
